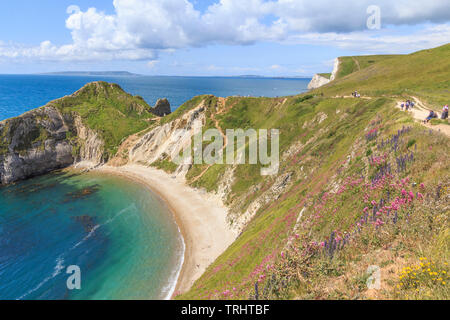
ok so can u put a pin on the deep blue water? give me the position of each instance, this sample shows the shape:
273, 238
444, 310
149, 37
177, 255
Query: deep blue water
21, 93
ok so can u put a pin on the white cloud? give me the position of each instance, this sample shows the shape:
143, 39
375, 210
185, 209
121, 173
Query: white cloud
378, 42
139, 29
73, 9
152, 64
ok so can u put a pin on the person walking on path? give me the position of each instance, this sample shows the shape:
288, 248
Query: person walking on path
444, 112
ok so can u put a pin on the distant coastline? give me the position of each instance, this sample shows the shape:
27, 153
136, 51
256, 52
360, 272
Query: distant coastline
130, 74
91, 73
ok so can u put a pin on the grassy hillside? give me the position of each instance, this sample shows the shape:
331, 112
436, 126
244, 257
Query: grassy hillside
108, 110
364, 185
424, 74
349, 65
325, 75
360, 182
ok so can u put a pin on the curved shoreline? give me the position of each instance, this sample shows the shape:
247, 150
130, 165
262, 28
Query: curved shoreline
200, 217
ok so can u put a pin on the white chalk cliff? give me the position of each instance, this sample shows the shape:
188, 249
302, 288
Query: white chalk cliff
319, 81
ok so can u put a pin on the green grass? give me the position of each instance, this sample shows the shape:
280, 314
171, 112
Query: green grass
439, 121
335, 139
102, 107
349, 65
210, 179
108, 110
323, 146
424, 73
331, 147
166, 165
325, 75
189, 105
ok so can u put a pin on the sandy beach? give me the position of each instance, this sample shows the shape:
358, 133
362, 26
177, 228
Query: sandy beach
201, 218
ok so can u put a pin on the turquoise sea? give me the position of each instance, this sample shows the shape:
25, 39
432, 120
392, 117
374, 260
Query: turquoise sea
121, 236
118, 232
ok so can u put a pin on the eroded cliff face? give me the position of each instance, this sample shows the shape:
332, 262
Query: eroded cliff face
167, 141
84, 127
91, 145
44, 140
335, 69
317, 81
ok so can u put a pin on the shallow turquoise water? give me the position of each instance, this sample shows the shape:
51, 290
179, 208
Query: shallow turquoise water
121, 236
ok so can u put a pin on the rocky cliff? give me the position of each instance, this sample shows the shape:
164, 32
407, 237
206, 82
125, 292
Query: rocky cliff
162, 108
167, 141
86, 126
43, 140
317, 81
335, 69
320, 80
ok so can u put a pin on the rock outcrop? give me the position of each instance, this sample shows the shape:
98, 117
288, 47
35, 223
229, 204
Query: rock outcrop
58, 135
33, 144
162, 108
168, 140
91, 146
44, 140
317, 81
335, 69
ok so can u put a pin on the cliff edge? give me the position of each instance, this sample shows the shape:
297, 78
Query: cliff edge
87, 126
321, 79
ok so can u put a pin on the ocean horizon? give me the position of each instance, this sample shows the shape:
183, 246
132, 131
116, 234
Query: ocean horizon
22, 93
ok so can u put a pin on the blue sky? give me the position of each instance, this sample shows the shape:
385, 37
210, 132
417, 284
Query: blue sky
206, 37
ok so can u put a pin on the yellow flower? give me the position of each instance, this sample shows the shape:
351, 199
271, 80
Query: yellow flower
443, 282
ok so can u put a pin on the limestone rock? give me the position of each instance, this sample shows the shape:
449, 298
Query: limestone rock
317, 81
39, 142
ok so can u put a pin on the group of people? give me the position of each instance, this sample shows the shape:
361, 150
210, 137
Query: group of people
356, 94
407, 105
434, 115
